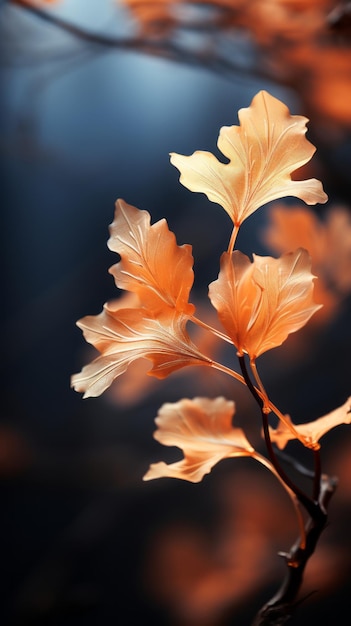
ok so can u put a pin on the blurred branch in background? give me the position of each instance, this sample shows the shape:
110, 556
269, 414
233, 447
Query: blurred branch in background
301, 45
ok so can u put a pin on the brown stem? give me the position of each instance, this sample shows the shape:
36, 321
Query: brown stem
309, 505
317, 475
281, 607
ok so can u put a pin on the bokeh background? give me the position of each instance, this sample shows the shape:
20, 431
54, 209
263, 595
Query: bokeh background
86, 120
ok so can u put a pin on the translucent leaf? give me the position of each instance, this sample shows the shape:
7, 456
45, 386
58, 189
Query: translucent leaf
263, 152
260, 303
202, 429
152, 264
313, 431
134, 386
125, 335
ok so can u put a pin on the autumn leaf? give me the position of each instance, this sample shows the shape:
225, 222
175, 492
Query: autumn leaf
203, 429
263, 152
260, 303
124, 335
236, 296
134, 386
313, 431
152, 264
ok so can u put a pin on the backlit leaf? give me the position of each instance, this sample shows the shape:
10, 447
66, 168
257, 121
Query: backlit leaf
260, 303
152, 264
125, 335
263, 152
202, 429
313, 431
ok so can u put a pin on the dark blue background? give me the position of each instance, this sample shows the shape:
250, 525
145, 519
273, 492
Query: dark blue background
81, 127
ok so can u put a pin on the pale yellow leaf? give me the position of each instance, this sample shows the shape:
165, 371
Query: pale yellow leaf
263, 152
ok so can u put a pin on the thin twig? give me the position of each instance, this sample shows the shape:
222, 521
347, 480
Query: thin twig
309, 505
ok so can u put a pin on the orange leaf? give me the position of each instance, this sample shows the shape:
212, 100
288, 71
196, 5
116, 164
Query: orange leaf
236, 296
203, 429
152, 265
125, 335
260, 303
263, 152
313, 431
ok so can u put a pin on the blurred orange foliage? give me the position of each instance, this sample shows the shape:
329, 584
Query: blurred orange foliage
303, 44
328, 241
